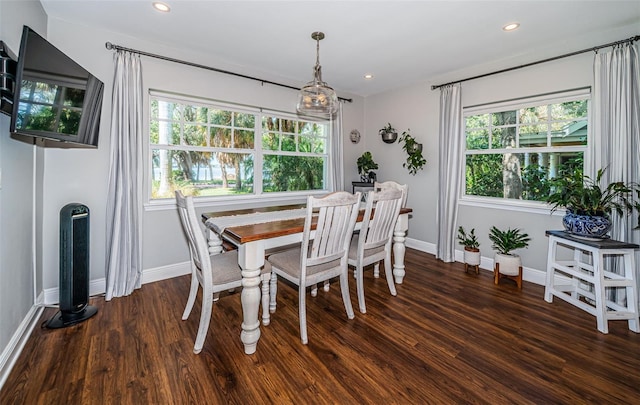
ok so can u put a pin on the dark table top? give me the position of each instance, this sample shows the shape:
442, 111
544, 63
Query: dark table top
596, 243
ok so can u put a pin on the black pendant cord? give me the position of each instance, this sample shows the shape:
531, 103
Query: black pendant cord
594, 49
115, 47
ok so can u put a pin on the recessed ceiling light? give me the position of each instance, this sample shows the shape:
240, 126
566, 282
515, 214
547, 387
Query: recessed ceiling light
368, 76
161, 7
511, 27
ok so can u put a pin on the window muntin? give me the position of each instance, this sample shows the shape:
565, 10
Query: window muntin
211, 151
512, 152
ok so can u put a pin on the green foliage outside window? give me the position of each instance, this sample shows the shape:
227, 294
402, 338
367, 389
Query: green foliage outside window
515, 153
211, 151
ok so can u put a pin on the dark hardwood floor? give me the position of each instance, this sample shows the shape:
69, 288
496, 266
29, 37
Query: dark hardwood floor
447, 338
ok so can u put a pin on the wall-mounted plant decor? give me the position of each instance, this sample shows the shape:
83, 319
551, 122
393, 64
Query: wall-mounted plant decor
388, 134
415, 160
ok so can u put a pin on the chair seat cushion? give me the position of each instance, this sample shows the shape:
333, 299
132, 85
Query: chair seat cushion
225, 267
289, 262
353, 249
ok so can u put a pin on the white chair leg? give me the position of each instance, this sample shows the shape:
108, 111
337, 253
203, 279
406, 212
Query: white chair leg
193, 292
205, 318
346, 298
314, 290
216, 296
266, 318
327, 286
360, 289
302, 313
389, 273
273, 292
376, 270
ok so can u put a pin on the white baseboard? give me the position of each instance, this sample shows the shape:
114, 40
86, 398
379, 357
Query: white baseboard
529, 274
421, 246
165, 272
18, 340
99, 286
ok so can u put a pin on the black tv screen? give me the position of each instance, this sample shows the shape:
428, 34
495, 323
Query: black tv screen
55, 98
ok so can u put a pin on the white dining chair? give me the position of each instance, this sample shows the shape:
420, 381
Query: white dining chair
390, 184
373, 243
215, 273
322, 254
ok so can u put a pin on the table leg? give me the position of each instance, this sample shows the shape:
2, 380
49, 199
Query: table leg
399, 248
215, 242
550, 276
600, 293
632, 292
251, 260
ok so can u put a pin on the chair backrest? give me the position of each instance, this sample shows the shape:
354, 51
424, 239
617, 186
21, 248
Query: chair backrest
385, 185
377, 229
335, 216
193, 228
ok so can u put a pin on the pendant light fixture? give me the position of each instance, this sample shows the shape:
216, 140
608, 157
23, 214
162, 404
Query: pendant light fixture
316, 97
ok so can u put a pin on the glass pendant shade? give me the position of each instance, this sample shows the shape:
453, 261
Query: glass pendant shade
316, 97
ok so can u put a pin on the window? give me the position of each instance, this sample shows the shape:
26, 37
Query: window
513, 149
211, 150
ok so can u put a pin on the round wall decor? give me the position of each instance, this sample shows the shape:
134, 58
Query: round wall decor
355, 136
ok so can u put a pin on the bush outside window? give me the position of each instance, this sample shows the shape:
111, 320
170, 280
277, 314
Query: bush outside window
513, 151
210, 150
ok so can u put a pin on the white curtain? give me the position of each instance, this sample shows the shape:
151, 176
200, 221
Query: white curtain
337, 159
450, 154
124, 205
616, 143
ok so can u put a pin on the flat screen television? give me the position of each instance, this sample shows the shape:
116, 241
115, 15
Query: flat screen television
55, 98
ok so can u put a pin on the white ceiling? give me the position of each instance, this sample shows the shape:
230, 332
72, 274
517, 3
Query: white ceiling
399, 42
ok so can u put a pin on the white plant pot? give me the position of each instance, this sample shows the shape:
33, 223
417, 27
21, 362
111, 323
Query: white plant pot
509, 264
472, 257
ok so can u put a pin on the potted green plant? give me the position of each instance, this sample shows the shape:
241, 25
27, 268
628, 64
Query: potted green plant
506, 263
366, 165
388, 134
471, 248
588, 205
415, 161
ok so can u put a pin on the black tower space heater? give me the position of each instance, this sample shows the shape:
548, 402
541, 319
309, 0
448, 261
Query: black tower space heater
74, 267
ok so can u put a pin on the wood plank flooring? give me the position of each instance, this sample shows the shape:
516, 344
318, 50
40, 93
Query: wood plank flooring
447, 338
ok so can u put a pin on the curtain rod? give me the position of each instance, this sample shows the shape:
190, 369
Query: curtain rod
595, 49
111, 46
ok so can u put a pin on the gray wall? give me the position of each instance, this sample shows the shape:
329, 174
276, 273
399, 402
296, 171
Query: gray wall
74, 175
19, 165
417, 107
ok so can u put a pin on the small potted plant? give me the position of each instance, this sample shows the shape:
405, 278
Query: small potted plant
588, 205
471, 248
366, 165
415, 161
508, 264
388, 134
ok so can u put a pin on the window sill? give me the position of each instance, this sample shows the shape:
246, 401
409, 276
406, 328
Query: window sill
531, 207
237, 202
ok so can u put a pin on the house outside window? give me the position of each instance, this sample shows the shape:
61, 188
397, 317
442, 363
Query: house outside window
213, 150
514, 148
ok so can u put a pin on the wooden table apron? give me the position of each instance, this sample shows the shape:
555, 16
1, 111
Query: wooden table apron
252, 242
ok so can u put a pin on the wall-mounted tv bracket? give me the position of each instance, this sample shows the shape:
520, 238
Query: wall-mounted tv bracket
8, 64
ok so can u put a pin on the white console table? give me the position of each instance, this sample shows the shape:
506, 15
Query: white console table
590, 279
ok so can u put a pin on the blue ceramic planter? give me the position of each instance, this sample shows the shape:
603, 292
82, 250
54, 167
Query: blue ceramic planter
586, 225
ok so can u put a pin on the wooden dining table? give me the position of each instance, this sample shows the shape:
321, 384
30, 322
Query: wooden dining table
254, 240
